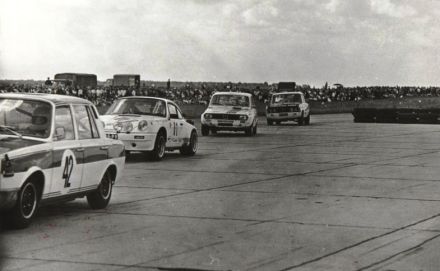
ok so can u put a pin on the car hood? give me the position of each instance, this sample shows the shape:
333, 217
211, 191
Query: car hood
8, 143
109, 120
227, 110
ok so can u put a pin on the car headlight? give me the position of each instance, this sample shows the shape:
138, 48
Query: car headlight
207, 116
123, 127
244, 117
143, 125
128, 127
117, 126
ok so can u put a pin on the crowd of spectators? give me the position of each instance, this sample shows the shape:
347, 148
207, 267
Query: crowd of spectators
200, 93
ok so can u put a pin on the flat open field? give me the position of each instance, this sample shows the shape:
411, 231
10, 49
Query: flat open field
335, 195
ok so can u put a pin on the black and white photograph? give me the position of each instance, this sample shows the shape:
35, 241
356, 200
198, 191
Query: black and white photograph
215, 135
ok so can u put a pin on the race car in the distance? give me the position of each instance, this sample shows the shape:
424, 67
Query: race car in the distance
285, 106
53, 148
230, 111
149, 124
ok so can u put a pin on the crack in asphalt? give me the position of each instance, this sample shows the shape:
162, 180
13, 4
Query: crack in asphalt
358, 244
408, 250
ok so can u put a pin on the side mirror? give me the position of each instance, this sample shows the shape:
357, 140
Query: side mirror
60, 133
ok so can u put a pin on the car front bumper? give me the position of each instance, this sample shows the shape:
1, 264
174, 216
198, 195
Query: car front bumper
227, 125
135, 141
283, 116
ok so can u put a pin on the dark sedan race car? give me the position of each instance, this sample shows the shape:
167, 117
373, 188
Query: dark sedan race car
53, 148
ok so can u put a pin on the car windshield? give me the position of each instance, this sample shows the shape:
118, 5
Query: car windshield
143, 106
25, 117
286, 98
230, 100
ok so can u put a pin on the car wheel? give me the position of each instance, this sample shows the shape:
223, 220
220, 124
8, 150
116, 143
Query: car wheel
269, 122
205, 130
191, 148
159, 147
249, 131
301, 120
27, 202
100, 198
307, 120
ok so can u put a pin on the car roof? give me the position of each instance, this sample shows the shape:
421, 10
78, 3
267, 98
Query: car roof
144, 97
233, 93
288, 92
54, 98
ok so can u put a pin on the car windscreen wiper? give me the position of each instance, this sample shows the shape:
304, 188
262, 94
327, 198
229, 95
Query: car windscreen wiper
9, 129
127, 114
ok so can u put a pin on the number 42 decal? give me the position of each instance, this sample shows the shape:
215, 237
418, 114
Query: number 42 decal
67, 172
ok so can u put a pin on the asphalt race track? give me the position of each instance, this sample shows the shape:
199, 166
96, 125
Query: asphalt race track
335, 195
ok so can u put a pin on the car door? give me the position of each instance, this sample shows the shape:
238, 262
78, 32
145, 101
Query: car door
67, 155
173, 137
93, 146
183, 126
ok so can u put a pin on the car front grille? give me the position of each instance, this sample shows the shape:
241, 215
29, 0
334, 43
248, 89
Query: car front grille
283, 109
226, 116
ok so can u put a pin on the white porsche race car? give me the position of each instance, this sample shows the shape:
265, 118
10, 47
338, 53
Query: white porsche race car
53, 148
150, 124
230, 111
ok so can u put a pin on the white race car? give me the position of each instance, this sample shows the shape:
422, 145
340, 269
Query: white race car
53, 148
150, 124
230, 111
285, 106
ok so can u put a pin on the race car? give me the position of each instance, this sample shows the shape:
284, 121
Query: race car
150, 124
53, 148
285, 106
230, 111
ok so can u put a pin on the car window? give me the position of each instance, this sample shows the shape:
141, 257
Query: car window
173, 111
95, 133
179, 114
141, 106
286, 98
230, 100
82, 121
27, 117
63, 119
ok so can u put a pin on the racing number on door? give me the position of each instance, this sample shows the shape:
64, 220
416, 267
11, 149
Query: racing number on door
67, 172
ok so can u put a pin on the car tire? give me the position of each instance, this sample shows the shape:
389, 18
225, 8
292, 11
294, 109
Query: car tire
269, 122
301, 120
205, 130
24, 210
191, 148
100, 198
249, 131
307, 120
158, 152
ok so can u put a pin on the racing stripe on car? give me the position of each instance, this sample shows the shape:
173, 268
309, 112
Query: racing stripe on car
52, 159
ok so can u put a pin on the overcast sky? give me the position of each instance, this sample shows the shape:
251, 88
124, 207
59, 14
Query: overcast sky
353, 42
